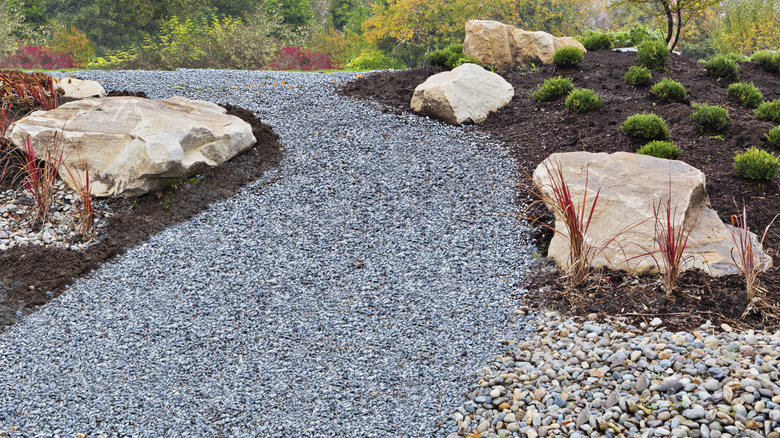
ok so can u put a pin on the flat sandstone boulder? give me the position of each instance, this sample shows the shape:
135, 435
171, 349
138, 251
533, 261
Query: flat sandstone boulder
466, 94
502, 45
133, 145
80, 89
629, 185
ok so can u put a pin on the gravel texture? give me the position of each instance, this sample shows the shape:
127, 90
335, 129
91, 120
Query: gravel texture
581, 378
351, 292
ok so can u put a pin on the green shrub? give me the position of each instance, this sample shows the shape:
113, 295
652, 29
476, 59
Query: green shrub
773, 136
653, 54
451, 57
660, 149
596, 40
638, 75
552, 89
375, 61
568, 56
768, 111
648, 126
722, 67
769, 61
710, 117
756, 164
670, 91
582, 100
746, 94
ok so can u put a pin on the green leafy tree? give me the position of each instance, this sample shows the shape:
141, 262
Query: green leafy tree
296, 14
677, 13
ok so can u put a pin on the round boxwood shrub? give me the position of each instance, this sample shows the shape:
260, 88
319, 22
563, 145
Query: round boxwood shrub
768, 111
710, 117
769, 61
773, 136
638, 75
660, 149
450, 57
653, 54
670, 91
568, 56
746, 94
375, 61
596, 41
582, 100
648, 126
552, 89
722, 67
756, 164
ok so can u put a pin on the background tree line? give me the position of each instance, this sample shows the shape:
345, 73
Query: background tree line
256, 33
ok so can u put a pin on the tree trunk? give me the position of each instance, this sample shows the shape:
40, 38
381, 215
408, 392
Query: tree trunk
679, 27
669, 21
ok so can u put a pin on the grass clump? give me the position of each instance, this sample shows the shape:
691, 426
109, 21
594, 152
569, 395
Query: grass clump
660, 149
638, 75
553, 89
653, 54
768, 111
596, 41
648, 126
746, 94
710, 117
451, 57
756, 164
568, 56
769, 61
375, 61
773, 136
670, 91
722, 67
582, 100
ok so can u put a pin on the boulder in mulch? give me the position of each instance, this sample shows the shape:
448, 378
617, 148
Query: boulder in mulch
629, 185
467, 94
502, 45
133, 145
80, 89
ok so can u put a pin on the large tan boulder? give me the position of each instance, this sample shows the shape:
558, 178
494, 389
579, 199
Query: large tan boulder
80, 89
133, 145
629, 184
466, 94
502, 45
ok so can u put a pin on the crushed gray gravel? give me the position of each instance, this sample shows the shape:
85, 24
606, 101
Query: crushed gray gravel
353, 291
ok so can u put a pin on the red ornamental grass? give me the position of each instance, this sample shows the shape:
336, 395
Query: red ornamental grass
746, 254
576, 219
671, 238
37, 86
84, 206
40, 177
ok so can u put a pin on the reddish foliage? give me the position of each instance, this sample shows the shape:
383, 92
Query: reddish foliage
38, 57
300, 58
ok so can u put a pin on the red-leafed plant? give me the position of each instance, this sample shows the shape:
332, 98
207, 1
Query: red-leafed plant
38, 57
85, 208
746, 257
25, 88
39, 174
576, 220
671, 236
300, 58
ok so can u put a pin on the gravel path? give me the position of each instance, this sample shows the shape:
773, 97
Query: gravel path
354, 291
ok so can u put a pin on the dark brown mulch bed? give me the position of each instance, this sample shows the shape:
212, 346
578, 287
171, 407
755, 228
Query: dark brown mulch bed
534, 131
28, 273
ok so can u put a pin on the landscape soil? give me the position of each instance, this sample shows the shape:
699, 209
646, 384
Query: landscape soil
30, 276
532, 131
